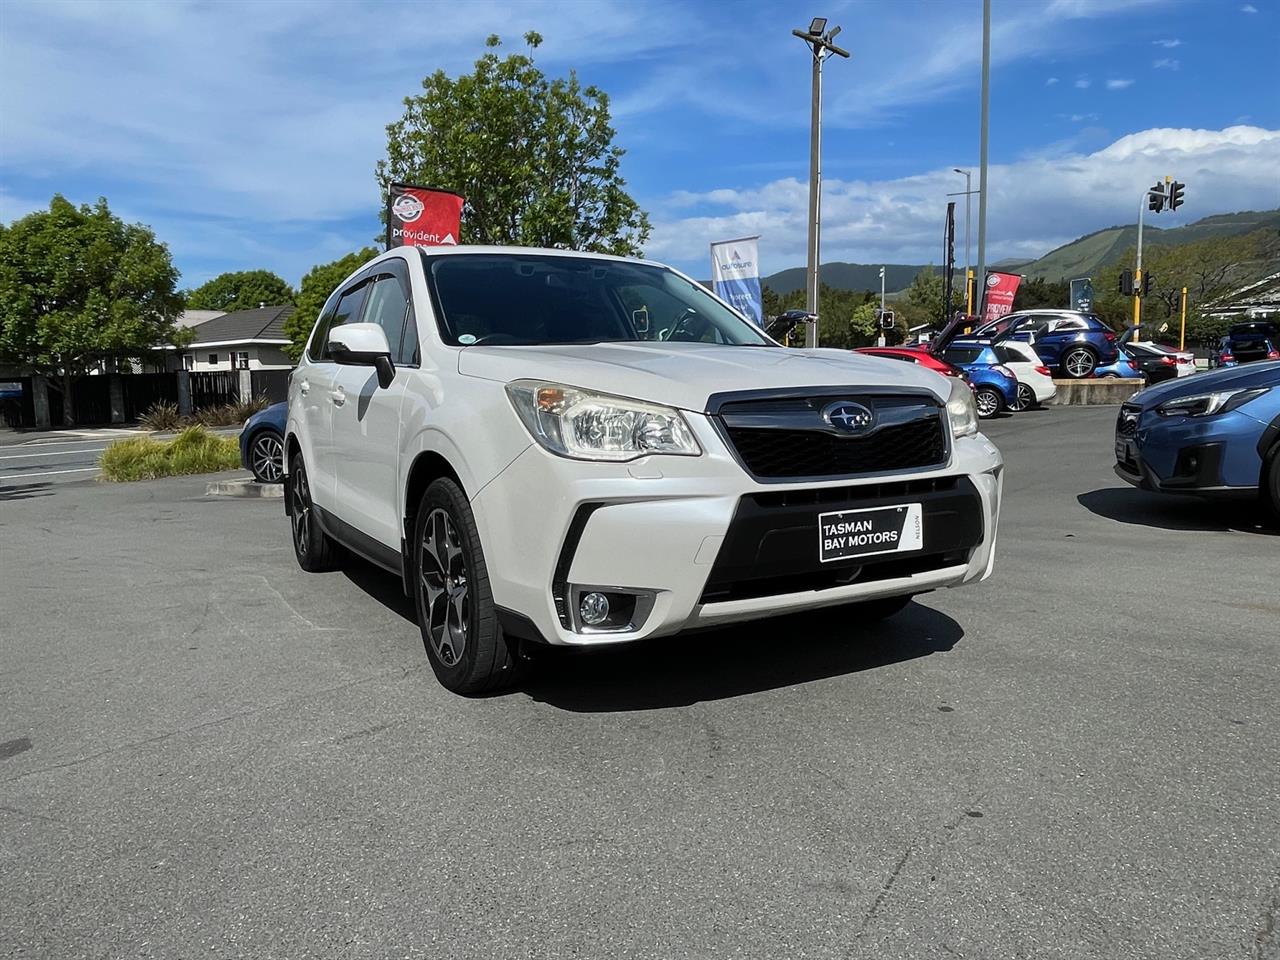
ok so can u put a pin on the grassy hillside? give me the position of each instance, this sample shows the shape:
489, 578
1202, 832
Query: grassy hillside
1088, 255
847, 276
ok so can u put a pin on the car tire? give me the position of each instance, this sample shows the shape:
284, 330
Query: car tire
1079, 362
451, 593
873, 611
1269, 488
988, 401
266, 456
1025, 400
316, 550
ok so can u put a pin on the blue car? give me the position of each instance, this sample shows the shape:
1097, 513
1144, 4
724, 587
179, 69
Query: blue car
262, 443
1069, 341
995, 388
1247, 343
1215, 434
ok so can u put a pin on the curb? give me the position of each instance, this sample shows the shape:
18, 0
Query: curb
245, 489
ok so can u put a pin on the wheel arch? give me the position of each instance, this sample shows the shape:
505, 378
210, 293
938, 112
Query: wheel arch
428, 466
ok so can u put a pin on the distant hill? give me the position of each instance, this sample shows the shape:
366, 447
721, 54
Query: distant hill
1086, 256
847, 276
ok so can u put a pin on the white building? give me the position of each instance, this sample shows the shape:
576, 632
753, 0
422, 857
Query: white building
244, 340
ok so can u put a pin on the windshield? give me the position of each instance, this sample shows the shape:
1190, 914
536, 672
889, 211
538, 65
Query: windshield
502, 298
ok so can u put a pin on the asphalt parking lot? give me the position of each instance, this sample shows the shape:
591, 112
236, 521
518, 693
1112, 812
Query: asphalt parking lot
206, 752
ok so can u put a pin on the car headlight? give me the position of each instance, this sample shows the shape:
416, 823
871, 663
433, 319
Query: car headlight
961, 410
1209, 404
585, 425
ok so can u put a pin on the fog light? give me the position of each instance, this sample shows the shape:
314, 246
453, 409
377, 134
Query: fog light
594, 609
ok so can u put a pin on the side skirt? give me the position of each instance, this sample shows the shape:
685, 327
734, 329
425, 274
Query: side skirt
358, 542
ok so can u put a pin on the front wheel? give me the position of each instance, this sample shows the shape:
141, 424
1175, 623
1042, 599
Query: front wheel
266, 457
873, 611
451, 592
988, 402
1025, 399
1269, 489
1079, 362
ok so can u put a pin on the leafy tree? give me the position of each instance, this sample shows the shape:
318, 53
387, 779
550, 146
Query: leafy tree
534, 157
243, 290
846, 318
1041, 294
922, 302
79, 288
314, 290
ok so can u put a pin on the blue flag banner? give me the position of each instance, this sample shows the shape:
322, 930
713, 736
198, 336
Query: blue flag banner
735, 272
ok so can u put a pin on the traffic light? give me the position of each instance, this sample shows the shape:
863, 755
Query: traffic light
1175, 194
886, 320
1146, 284
1156, 198
1126, 282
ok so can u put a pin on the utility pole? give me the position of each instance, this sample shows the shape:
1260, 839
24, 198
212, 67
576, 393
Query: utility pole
968, 203
821, 45
982, 136
881, 341
1182, 337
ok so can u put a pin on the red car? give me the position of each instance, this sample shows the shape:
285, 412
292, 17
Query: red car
914, 355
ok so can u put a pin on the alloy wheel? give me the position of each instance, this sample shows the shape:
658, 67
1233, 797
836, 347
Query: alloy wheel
988, 403
266, 457
443, 582
301, 516
1079, 363
1024, 399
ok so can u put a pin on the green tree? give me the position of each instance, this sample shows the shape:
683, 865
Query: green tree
922, 302
534, 157
1042, 294
314, 290
80, 288
242, 290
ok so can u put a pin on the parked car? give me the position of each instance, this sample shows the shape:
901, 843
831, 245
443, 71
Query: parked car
918, 356
1071, 342
995, 388
1151, 362
1217, 435
262, 443
1184, 361
575, 449
1124, 368
1035, 380
1247, 343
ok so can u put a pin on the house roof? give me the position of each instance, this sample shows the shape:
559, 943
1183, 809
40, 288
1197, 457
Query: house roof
193, 318
263, 325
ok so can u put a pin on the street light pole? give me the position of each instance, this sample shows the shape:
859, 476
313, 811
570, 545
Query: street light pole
819, 40
981, 277
881, 341
968, 203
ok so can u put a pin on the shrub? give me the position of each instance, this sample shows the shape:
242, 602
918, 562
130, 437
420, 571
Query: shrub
194, 450
231, 414
162, 416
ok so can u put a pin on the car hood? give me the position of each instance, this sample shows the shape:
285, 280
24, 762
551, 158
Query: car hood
685, 375
1265, 374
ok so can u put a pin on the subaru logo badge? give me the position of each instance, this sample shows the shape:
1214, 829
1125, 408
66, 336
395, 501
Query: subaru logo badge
850, 418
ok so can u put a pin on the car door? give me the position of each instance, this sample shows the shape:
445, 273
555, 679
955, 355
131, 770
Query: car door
366, 417
318, 388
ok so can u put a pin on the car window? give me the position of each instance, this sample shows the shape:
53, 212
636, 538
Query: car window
1008, 354
389, 308
959, 355
315, 352
524, 299
347, 311
1068, 323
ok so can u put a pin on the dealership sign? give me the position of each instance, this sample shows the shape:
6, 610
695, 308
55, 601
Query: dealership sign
1001, 288
422, 216
735, 272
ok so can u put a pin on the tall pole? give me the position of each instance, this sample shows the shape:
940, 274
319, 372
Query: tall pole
881, 342
982, 172
815, 198
1137, 272
968, 204
1182, 337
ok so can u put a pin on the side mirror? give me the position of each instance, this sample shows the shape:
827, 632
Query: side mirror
363, 345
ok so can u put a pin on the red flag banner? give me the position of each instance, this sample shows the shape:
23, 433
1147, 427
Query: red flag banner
422, 216
1001, 288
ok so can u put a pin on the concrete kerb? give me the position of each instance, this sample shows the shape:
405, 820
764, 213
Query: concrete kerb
1095, 392
245, 489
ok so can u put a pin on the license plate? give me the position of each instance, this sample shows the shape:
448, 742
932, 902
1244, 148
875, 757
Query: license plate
865, 533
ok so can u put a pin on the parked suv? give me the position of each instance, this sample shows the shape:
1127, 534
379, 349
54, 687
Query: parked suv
565, 448
1069, 341
1247, 343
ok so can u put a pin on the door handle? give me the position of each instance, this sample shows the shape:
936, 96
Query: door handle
339, 397
303, 387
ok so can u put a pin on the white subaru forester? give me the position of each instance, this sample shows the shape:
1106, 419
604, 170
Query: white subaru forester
566, 448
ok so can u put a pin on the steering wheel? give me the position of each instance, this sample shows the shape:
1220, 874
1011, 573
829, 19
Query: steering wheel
678, 326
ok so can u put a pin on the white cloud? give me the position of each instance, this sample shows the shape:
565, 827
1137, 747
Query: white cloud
1167, 44
1248, 8
1118, 84
1051, 81
1166, 63
1035, 204
1083, 83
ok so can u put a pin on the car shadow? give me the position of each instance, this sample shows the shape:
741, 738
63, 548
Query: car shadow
25, 491
380, 585
1174, 511
732, 661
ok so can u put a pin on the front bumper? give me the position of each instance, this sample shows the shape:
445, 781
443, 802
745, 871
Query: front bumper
1214, 456
665, 527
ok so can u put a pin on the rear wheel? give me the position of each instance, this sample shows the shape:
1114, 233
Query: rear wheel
315, 550
1025, 400
1269, 489
988, 402
266, 457
1079, 362
451, 591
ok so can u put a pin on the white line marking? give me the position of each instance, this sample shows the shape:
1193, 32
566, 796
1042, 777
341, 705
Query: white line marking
59, 453
47, 473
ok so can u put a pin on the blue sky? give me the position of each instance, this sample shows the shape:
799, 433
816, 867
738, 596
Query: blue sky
246, 133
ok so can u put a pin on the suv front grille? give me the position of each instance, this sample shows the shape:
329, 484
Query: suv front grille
779, 438
1127, 422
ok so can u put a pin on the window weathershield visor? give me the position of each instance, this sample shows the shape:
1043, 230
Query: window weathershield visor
585, 425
